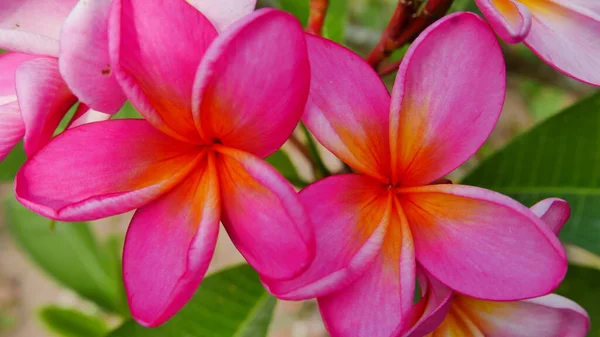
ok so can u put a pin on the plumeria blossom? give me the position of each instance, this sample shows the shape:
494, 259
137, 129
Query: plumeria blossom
563, 33
442, 313
212, 109
373, 227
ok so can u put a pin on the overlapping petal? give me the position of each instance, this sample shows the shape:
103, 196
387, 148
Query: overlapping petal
224, 12
509, 18
432, 309
377, 303
33, 26
156, 63
263, 215
348, 108
350, 216
446, 100
131, 163
12, 128
548, 316
44, 99
482, 243
566, 35
554, 212
84, 57
84, 115
253, 82
169, 245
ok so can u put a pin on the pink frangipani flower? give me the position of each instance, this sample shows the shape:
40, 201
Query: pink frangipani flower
214, 104
443, 313
563, 33
373, 227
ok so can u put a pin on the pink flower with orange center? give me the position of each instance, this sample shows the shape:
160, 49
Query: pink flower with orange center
563, 33
374, 226
214, 105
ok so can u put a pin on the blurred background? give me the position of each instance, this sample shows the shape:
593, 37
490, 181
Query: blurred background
34, 304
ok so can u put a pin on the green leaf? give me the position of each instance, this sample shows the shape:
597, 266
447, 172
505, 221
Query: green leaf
72, 323
558, 158
336, 20
230, 303
581, 285
12, 163
127, 111
298, 8
70, 254
281, 161
321, 169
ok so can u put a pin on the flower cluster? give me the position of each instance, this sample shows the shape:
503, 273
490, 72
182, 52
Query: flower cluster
221, 86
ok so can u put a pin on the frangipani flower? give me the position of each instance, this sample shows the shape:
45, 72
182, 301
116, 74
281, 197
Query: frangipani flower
442, 313
563, 33
372, 227
212, 108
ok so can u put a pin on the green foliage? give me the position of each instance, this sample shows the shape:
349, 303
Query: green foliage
72, 323
335, 20
70, 254
281, 161
229, 303
581, 285
12, 163
558, 158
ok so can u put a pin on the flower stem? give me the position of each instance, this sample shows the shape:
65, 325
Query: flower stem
316, 18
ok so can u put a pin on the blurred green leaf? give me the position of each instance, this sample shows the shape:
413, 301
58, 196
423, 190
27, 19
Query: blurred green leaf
72, 323
581, 285
336, 20
298, 8
127, 111
543, 101
321, 169
70, 254
12, 163
558, 158
230, 303
281, 161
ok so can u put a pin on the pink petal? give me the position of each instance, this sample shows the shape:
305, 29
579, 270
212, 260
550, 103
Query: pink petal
84, 58
447, 98
224, 12
509, 18
32, 26
84, 115
554, 212
11, 127
155, 48
263, 216
567, 36
102, 169
9, 62
169, 245
432, 309
377, 304
548, 316
348, 108
350, 215
482, 243
44, 100
248, 102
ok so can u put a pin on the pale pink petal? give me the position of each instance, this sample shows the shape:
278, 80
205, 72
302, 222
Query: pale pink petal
102, 169
446, 100
252, 84
554, 212
432, 309
348, 107
11, 127
263, 216
482, 243
548, 316
224, 12
155, 49
509, 18
350, 215
84, 115
9, 62
567, 36
378, 303
169, 245
33, 26
44, 99
84, 58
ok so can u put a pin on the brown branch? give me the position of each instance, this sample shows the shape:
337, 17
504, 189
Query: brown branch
301, 148
389, 68
406, 24
316, 18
